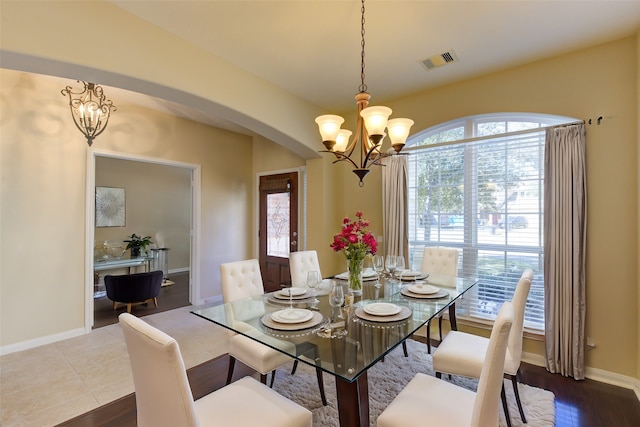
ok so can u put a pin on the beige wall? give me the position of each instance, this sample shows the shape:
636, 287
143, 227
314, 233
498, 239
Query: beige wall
43, 162
158, 201
600, 81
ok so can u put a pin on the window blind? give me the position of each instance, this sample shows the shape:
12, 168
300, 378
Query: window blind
485, 197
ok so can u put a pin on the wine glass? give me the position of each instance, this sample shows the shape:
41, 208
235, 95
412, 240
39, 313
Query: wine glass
336, 298
378, 266
391, 264
400, 265
312, 283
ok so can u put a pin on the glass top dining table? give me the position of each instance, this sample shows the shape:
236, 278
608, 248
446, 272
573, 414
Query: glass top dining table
342, 341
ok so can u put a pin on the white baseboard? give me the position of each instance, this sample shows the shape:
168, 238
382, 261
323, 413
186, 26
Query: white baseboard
37, 342
599, 375
612, 378
178, 270
594, 374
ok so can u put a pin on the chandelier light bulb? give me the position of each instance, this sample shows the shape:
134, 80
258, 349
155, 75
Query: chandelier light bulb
342, 140
398, 132
329, 126
375, 119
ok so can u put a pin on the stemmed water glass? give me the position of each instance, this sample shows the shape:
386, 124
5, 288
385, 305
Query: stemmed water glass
312, 283
400, 265
391, 264
378, 266
336, 299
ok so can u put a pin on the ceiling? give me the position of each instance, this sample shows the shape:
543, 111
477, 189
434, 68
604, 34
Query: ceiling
312, 48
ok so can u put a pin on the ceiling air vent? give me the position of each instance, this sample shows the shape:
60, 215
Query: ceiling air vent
440, 60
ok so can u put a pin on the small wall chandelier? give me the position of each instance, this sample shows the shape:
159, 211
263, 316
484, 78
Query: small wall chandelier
370, 127
90, 109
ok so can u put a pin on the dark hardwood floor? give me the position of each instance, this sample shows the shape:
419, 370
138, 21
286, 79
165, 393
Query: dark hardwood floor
585, 403
170, 297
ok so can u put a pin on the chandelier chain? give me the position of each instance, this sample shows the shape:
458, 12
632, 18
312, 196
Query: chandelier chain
363, 86
371, 122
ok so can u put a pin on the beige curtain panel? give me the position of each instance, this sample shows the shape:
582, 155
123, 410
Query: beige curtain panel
395, 216
565, 227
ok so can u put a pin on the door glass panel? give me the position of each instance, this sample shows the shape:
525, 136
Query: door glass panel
278, 225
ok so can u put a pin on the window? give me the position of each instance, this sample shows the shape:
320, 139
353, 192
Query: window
477, 184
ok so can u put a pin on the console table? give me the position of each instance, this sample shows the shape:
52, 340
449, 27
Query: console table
113, 264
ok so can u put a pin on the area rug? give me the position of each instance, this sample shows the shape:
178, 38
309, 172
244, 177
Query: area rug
388, 378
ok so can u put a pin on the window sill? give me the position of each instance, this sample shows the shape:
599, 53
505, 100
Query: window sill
529, 333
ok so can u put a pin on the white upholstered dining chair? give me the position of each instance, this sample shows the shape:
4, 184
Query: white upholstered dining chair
300, 263
443, 264
464, 354
164, 398
242, 279
428, 401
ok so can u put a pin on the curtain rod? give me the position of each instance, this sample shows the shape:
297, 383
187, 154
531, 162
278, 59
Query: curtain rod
501, 135
598, 120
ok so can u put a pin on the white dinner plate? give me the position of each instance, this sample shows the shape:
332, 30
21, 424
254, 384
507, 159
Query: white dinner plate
292, 315
369, 272
294, 292
423, 289
381, 309
366, 275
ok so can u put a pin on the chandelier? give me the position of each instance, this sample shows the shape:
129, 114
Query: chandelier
370, 129
90, 109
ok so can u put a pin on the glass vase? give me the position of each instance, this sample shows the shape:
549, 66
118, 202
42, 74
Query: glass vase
354, 268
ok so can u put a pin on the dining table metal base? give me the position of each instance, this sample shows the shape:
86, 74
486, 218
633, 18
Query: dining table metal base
353, 401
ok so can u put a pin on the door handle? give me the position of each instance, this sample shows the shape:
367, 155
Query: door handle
294, 243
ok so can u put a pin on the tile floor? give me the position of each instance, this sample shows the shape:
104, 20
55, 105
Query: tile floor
47, 385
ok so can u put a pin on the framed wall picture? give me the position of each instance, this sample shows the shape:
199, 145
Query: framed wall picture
110, 203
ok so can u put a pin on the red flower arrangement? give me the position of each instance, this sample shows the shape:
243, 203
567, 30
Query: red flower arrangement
354, 238
356, 242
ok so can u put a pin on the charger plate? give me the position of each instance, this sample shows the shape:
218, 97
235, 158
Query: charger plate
367, 276
411, 276
285, 301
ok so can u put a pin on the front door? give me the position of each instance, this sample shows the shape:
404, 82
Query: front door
278, 229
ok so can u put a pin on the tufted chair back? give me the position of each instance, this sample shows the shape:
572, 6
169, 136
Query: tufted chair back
440, 260
519, 300
163, 395
487, 404
300, 263
241, 279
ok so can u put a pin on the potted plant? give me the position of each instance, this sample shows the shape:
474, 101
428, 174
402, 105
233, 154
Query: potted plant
137, 244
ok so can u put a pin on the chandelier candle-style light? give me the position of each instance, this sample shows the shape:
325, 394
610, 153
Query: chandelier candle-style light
90, 109
370, 129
